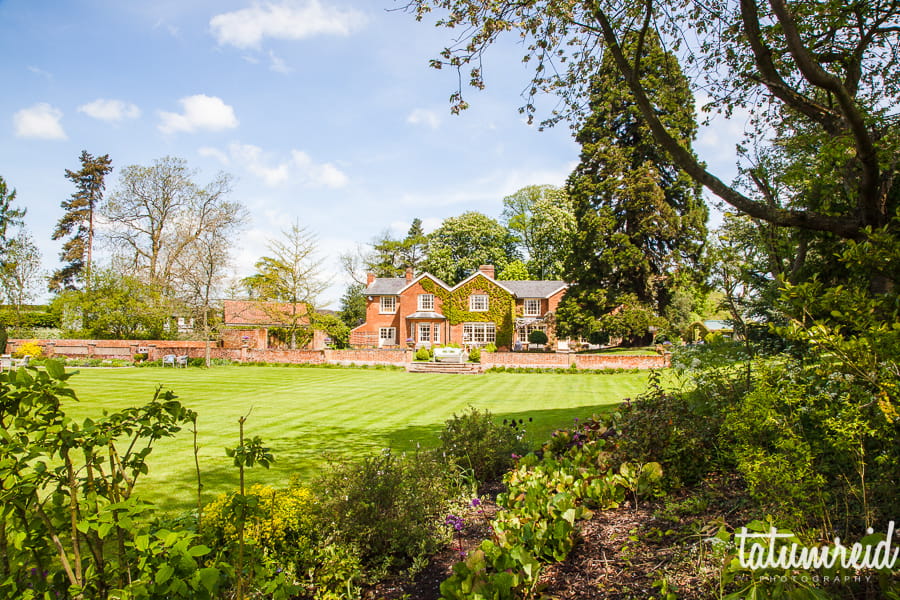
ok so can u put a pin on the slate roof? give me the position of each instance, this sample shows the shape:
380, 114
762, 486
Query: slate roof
386, 286
533, 289
426, 315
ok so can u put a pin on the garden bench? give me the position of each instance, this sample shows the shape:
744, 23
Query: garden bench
449, 355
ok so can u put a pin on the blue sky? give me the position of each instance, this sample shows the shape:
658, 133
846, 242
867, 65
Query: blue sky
324, 111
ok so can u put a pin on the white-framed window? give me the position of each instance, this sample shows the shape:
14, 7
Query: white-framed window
479, 333
388, 304
387, 336
478, 302
424, 332
532, 307
426, 301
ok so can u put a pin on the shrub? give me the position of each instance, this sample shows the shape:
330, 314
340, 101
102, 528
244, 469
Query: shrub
140, 357
473, 441
29, 349
490, 347
475, 355
537, 337
423, 353
197, 362
389, 506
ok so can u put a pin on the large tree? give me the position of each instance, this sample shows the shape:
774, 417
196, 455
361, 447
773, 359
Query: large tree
10, 216
292, 275
461, 244
78, 221
828, 67
391, 257
20, 273
543, 221
156, 213
639, 217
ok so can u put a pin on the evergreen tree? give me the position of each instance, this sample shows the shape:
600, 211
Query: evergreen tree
353, 305
639, 217
9, 216
78, 221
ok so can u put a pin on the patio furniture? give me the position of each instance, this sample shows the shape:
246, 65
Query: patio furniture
181, 361
169, 360
5, 362
22, 362
455, 355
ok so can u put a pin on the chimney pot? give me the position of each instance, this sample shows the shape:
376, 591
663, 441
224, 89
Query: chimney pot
487, 270
409, 274
370, 279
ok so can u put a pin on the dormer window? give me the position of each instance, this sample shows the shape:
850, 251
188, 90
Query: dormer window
426, 302
532, 307
478, 302
388, 304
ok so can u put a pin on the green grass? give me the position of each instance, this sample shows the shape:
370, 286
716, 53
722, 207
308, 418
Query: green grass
305, 414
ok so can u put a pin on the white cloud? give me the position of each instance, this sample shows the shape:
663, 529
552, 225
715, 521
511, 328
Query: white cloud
423, 116
201, 112
38, 71
40, 121
110, 110
287, 20
300, 167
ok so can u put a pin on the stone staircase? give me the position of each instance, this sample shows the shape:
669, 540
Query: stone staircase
444, 367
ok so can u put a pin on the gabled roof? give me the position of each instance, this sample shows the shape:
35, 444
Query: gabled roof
534, 289
429, 276
476, 274
386, 286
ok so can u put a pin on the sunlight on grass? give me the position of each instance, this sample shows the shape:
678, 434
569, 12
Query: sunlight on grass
305, 415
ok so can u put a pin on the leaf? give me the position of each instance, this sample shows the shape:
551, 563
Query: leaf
209, 577
165, 572
199, 550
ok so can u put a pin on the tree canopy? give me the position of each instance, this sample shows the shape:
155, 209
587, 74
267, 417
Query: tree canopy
827, 69
461, 244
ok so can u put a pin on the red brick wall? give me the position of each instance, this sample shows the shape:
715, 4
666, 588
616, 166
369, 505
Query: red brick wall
564, 361
285, 356
368, 356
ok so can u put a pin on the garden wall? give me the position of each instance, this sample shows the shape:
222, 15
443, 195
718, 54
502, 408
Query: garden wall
548, 360
156, 349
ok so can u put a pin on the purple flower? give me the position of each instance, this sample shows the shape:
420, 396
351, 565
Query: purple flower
455, 522
476, 502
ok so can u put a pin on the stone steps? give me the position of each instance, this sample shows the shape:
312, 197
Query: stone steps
444, 367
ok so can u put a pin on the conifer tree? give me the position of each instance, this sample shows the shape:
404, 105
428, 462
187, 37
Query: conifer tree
78, 222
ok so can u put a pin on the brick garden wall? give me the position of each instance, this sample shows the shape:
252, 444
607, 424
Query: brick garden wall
156, 349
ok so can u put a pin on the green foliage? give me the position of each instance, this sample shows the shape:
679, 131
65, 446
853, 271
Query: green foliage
631, 323
423, 354
637, 214
542, 219
461, 244
489, 347
333, 326
475, 355
514, 271
388, 506
473, 442
117, 306
78, 221
455, 305
353, 306
77, 523
537, 337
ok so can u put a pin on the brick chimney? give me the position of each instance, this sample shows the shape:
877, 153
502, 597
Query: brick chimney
487, 271
409, 274
370, 279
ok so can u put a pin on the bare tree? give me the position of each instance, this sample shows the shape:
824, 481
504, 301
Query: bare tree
157, 213
20, 273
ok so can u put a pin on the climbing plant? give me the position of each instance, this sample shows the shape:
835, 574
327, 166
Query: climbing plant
501, 305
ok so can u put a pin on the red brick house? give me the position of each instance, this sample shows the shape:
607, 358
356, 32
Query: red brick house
425, 311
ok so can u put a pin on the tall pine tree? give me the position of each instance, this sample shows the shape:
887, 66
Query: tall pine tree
78, 222
639, 217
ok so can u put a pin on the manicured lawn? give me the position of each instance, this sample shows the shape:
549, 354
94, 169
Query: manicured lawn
305, 414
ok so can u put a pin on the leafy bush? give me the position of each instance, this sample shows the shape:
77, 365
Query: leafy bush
472, 441
490, 347
389, 506
537, 337
31, 349
423, 353
140, 357
197, 362
475, 355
